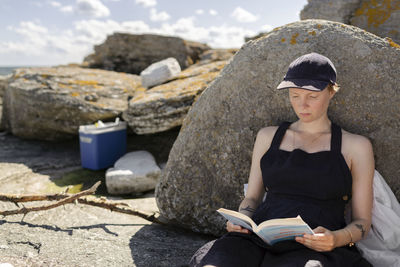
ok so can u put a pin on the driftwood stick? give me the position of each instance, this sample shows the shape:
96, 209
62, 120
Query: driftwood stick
28, 198
126, 208
81, 197
69, 199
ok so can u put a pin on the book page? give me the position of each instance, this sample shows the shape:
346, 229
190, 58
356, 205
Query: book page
284, 221
274, 234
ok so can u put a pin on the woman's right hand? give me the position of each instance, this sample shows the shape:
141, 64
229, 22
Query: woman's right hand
230, 227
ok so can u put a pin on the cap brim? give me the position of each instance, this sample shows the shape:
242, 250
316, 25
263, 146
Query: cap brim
311, 85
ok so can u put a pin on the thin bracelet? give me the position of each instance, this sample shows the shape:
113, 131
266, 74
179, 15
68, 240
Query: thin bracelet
351, 243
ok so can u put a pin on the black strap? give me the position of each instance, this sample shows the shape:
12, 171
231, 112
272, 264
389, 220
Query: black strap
276, 141
336, 138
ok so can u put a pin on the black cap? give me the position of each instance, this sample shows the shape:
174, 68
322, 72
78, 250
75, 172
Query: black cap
311, 72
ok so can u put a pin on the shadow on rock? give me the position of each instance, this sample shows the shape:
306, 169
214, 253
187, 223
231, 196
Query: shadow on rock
40, 156
160, 245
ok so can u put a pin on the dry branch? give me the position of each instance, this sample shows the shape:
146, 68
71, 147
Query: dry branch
66, 200
81, 197
29, 198
126, 208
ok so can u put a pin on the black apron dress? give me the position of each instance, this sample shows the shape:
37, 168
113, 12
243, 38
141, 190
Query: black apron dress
315, 186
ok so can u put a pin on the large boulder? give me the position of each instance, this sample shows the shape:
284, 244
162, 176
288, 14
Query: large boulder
336, 10
210, 160
165, 106
3, 85
133, 53
51, 103
379, 17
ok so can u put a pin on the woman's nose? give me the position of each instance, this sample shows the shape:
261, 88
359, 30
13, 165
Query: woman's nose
304, 103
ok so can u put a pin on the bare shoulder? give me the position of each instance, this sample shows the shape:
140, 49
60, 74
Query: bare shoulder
267, 132
355, 142
265, 135
356, 148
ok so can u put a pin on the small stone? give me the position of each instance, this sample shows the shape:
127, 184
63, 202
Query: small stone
135, 172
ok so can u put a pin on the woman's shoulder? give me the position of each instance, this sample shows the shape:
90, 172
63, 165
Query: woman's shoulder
265, 135
355, 143
267, 132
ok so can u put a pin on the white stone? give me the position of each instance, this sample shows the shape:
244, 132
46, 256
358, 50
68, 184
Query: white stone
135, 172
160, 72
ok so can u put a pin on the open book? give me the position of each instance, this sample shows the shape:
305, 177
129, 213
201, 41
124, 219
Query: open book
271, 231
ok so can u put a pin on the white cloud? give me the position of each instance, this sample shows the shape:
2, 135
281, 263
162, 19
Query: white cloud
55, 4
64, 9
146, 3
243, 15
93, 8
213, 12
67, 9
161, 16
39, 45
199, 11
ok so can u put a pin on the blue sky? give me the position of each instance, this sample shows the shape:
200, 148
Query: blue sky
52, 32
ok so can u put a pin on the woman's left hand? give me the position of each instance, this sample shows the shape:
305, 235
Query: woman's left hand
322, 240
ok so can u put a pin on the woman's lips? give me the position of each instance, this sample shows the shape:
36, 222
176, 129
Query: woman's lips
305, 114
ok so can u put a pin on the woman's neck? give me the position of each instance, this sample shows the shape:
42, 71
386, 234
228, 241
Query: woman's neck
316, 126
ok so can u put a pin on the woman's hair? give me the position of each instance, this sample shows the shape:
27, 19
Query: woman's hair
333, 87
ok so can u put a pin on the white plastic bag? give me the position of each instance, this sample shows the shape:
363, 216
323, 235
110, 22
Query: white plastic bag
381, 247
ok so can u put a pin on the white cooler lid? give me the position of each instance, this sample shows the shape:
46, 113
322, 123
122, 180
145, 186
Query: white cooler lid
108, 127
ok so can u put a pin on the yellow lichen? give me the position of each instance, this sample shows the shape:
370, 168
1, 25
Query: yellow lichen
293, 40
319, 26
64, 86
377, 12
306, 40
74, 94
87, 83
283, 40
312, 33
392, 44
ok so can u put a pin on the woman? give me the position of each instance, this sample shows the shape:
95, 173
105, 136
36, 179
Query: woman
310, 168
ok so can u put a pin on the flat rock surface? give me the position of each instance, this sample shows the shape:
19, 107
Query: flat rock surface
50, 103
76, 234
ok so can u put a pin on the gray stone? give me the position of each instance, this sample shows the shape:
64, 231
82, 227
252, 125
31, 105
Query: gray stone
51, 103
164, 107
379, 17
213, 55
336, 10
210, 160
135, 172
3, 85
133, 53
160, 72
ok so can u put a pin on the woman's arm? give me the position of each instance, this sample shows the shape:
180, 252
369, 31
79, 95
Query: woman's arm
255, 188
362, 170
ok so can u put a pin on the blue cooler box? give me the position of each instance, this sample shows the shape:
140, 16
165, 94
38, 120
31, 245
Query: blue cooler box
102, 146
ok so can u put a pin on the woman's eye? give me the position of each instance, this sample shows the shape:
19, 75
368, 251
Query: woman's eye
313, 96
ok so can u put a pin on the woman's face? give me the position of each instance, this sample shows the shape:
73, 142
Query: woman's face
310, 105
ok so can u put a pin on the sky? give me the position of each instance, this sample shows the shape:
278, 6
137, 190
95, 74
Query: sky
54, 32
